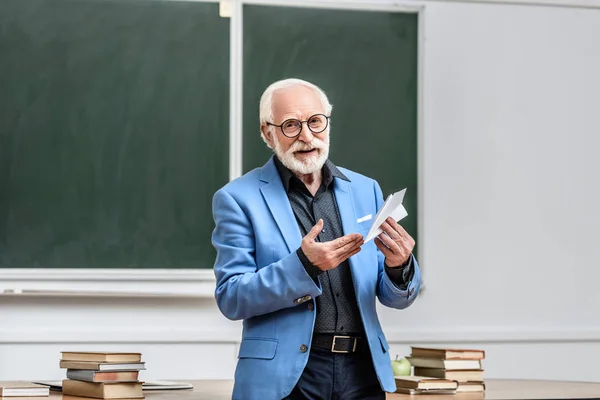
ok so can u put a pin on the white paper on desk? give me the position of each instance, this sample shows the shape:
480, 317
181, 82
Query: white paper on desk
391, 208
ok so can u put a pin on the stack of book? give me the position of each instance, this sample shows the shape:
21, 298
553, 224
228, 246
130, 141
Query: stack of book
461, 365
102, 375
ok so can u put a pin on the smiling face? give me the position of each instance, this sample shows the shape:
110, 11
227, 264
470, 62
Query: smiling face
306, 153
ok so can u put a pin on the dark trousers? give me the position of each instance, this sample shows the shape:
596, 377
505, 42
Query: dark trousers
334, 376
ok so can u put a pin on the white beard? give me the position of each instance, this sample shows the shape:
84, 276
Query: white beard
309, 165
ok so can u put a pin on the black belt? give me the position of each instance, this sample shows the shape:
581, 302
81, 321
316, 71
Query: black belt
337, 343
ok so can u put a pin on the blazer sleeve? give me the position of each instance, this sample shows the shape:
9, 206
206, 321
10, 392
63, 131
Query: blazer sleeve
243, 290
388, 293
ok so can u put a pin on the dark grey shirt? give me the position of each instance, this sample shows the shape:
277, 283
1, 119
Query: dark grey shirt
337, 309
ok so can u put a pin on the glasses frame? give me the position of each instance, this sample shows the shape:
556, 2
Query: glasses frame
302, 125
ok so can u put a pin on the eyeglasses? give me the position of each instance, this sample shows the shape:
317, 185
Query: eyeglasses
292, 127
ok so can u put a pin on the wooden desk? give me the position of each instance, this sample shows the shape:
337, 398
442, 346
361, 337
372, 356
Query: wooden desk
497, 389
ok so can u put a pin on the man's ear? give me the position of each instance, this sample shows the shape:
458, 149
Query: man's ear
266, 135
266, 131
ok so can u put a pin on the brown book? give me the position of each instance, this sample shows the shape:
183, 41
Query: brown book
102, 376
453, 375
424, 383
101, 366
448, 354
464, 387
101, 356
425, 391
22, 389
429, 362
130, 390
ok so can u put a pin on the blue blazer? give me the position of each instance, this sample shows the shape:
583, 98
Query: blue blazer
261, 280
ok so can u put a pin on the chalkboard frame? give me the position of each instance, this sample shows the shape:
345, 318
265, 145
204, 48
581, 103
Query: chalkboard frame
172, 281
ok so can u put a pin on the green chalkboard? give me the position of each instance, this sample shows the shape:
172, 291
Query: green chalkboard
113, 132
366, 62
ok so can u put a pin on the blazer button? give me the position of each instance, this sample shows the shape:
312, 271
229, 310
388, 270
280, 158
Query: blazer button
303, 348
311, 306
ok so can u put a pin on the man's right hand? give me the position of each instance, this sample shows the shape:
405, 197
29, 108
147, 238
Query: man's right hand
328, 255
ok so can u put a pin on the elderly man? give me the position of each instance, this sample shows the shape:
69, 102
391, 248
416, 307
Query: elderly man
292, 263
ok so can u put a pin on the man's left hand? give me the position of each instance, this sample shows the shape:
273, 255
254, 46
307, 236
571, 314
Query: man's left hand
395, 243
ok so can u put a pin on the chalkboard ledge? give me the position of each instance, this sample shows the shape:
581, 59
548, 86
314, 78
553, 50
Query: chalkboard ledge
198, 283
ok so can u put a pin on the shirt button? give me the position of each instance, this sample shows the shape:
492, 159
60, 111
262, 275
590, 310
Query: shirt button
311, 306
303, 348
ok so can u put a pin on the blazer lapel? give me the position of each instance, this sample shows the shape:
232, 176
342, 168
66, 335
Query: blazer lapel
343, 196
345, 200
279, 205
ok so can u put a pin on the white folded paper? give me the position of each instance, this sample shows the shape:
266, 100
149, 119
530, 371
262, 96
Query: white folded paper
391, 208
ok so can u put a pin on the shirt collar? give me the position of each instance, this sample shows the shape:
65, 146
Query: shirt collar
330, 171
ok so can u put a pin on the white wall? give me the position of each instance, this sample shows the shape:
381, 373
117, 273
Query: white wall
509, 189
511, 130
510, 167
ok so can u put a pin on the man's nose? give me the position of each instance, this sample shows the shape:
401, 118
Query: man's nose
305, 134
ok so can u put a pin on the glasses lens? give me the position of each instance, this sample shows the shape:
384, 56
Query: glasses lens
291, 127
317, 123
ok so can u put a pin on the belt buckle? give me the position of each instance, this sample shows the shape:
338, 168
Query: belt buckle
333, 350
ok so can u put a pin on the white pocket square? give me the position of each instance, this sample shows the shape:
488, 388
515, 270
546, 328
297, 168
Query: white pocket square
365, 218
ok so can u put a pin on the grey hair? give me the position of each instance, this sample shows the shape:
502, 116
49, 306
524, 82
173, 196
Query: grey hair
266, 100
